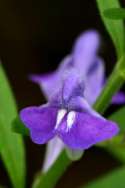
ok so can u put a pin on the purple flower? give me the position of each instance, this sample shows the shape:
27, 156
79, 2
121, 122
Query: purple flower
70, 90
68, 116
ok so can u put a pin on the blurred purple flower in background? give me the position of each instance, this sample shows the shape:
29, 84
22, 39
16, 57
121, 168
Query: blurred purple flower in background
71, 90
90, 66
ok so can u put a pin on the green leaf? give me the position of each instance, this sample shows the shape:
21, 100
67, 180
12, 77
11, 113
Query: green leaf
119, 118
117, 148
49, 179
115, 13
12, 153
7, 102
19, 127
11, 145
114, 179
114, 27
117, 152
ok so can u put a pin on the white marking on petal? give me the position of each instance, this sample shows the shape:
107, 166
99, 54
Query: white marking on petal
70, 119
60, 116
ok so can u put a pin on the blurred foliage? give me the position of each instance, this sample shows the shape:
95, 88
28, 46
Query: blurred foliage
115, 28
114, 179
11, 145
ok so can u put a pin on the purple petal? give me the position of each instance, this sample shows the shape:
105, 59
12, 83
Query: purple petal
119, 98
80, 104
83, 57
84, 51
72, 85
50, 83
86, 131
40, 121
95, 82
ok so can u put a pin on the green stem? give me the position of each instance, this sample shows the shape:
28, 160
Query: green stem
50, 178
113, 84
